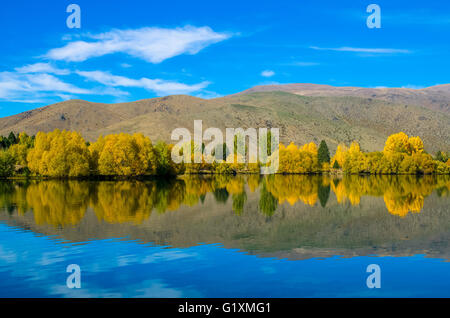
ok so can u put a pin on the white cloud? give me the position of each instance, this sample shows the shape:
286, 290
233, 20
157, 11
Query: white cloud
305, 64
41, 82
49, 83
14, 84
42, 68
267, 73
418, 18
362, 50
159, 86
41, 87
410, 86
208, 95
153, 45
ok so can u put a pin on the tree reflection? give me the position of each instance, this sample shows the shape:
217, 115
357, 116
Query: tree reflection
267, 202
324, 192
293, 188
119, 202
221, 195
64, 203
239, 200
58, 203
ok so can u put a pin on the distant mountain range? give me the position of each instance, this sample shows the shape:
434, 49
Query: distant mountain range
303, 112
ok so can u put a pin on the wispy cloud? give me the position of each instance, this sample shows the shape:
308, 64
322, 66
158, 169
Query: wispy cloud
15, 86
42, 87
411, 86
159, 86
417, 18
153, 45
363, 50
267, 73
304, 64
126, 65
208, 95
42, 68
406, 17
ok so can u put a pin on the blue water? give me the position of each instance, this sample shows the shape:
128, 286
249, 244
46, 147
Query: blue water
121, 268
285, 236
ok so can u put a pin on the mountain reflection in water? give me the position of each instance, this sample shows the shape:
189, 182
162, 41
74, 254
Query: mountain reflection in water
290, 216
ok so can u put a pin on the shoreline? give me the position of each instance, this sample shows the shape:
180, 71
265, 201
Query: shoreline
170, 177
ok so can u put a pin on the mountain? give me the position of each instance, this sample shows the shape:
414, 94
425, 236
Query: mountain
303, 112
434, 97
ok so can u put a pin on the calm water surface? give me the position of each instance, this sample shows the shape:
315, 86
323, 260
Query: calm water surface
223, 236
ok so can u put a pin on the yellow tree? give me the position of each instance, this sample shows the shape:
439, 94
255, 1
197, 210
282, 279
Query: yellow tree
308, 159
68, 155
20, 150
125, 155
288, 158
397, 143
95, 149
311, 148
41, 146
59, 154
355, 160
415, 145
340, 155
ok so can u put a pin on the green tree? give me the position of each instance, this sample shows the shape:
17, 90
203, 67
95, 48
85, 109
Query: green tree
12, 139
440, 156
336, 165
164, 164
3, 142
7, 164
323, 153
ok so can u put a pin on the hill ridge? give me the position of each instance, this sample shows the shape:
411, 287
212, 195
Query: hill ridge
333, 116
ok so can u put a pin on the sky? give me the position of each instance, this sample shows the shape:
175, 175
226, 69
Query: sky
130, 50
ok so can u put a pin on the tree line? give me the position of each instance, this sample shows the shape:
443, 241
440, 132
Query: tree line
67, 154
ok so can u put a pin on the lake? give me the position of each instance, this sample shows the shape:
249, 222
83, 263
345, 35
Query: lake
227, 236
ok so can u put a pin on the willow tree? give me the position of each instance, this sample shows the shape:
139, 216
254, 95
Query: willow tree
59, 154
124, 155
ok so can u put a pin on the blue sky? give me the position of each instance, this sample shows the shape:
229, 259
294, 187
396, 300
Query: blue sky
130, 50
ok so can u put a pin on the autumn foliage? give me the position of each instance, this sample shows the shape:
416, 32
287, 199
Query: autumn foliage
59, 153
401, 155
67, 154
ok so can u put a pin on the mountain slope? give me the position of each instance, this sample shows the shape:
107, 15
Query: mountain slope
301, 118
434, 97
72, 115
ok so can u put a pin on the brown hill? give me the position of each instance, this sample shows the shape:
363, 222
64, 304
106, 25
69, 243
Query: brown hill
434, 97
301, 118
